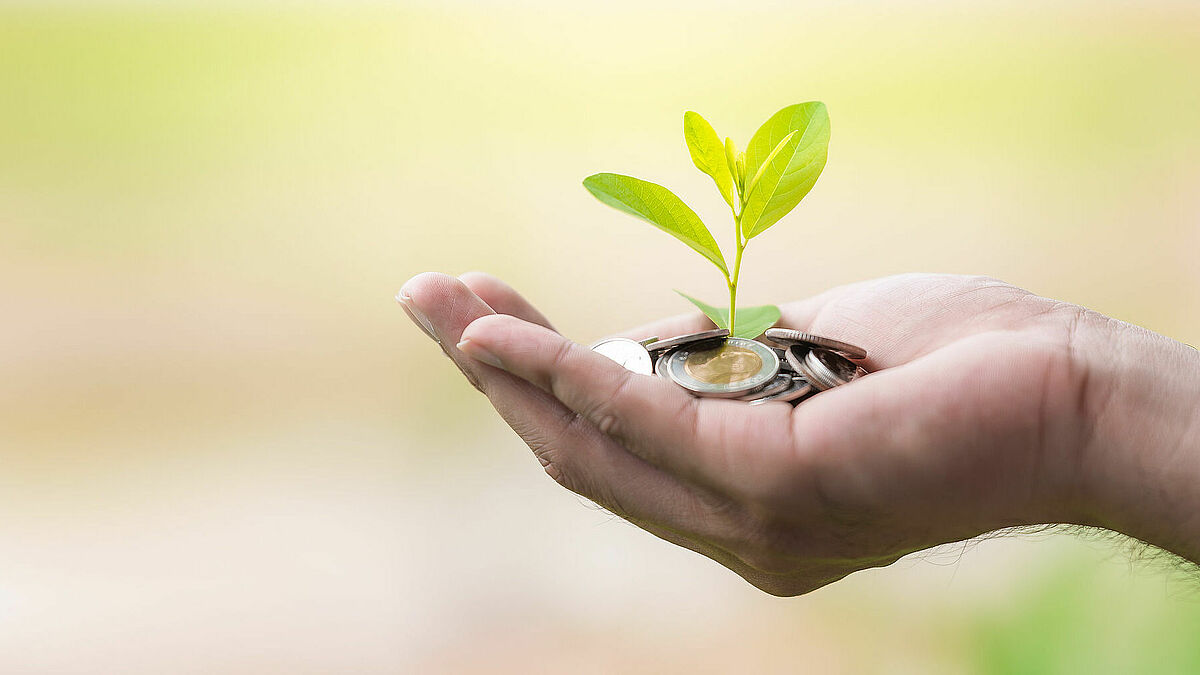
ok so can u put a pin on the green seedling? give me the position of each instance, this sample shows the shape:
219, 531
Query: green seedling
761, 185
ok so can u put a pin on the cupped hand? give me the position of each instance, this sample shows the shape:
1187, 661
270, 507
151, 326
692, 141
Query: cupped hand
977, 416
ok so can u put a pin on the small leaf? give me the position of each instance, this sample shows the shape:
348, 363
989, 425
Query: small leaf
751, 321
788, 175
731, 155
707, 153
658, 206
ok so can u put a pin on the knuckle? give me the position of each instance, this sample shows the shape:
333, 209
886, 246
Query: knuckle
604, 411
561, 357
553, 470
550, 445
558, 367
552, 462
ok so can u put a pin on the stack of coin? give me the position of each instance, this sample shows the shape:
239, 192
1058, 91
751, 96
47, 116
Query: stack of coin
713, 364
824, 362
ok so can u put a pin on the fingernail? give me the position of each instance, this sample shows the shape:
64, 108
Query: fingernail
473, 350
415, 314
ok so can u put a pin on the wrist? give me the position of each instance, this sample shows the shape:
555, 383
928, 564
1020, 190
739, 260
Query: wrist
1140, 463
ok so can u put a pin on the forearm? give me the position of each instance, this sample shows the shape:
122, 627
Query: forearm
1141, 464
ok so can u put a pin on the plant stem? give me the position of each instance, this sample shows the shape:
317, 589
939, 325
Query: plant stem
737, 270
732, 282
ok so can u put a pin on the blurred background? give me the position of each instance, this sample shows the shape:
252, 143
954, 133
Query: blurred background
223, 447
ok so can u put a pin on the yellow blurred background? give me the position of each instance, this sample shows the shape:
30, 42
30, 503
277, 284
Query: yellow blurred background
223, 448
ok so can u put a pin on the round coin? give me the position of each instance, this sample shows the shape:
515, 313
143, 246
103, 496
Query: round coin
629, 353
689, 339
728, 370
827, 369
661, 364
723, 364
787, 337
794, 357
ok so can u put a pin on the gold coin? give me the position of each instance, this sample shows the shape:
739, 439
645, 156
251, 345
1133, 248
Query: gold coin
725, 364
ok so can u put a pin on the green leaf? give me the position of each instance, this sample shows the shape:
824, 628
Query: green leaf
719, 316
658, 206
731, 156
785, 177
707, 153
751, 321
799, 117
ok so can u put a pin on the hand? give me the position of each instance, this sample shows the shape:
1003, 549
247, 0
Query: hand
989, 407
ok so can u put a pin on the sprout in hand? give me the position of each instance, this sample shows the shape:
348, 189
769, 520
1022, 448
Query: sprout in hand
760, 185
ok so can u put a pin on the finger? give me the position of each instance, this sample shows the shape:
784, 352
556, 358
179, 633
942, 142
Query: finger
715, 443
503, 298
572, 451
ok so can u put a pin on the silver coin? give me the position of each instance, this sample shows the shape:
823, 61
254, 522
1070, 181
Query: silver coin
690, 339
847, 370
798, 389
729, 370
781, 383
794, 357
797, 358
629, 353
660, 365
823, 368
788, 337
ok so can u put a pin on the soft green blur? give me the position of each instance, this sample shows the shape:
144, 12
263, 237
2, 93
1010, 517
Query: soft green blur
224, 448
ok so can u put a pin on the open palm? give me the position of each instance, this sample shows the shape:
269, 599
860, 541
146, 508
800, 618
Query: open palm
974, 419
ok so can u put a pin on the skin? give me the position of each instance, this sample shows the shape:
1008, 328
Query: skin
988, 407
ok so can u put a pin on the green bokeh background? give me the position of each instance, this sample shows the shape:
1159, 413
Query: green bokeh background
224, 449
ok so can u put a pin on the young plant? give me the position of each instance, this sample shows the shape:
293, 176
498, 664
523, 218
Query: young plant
761, 185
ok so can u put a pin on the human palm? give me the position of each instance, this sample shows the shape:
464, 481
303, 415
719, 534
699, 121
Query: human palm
975, 418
